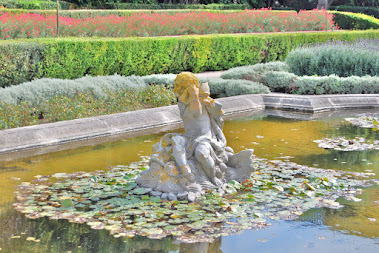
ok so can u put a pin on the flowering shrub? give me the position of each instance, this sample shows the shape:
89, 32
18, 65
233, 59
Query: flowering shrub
31, 25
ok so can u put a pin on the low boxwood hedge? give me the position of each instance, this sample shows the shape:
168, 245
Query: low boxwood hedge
70, 58
372, 11
35, 4
355, 21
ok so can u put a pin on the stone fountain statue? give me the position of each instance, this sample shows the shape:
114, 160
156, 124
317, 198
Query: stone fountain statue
184, 166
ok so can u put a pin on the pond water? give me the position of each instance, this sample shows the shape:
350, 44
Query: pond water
350, 229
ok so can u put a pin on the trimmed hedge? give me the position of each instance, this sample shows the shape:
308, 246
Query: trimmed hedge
70, 58
35, 4
371, 11
354, 21
318, 85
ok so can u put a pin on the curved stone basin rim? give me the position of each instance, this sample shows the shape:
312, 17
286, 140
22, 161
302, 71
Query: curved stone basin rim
163, 118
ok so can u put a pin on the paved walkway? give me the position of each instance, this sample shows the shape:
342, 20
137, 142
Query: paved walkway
210, 74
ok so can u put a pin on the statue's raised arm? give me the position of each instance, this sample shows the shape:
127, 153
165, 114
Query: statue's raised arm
185, 166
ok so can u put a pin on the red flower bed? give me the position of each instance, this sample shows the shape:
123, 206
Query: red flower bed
161, 24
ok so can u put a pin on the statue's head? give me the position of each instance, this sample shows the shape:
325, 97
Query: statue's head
183, 81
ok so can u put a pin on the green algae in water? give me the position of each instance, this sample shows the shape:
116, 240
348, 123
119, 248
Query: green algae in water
112, 201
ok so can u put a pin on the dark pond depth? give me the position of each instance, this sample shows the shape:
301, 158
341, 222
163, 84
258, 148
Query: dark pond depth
354, 228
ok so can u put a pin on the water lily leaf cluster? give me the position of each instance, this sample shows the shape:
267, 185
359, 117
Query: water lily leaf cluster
365, 122
342, 144
112, 200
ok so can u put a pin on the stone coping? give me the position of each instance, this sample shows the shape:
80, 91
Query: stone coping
319, 103
167, 118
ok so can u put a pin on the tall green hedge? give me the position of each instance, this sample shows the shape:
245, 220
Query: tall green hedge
35, 4
70, 58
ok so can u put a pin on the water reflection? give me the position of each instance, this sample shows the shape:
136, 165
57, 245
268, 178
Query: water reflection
271, 137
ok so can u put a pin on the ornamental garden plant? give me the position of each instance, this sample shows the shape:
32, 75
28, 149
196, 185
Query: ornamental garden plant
30, 25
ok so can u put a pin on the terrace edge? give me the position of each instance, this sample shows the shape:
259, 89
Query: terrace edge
167, 117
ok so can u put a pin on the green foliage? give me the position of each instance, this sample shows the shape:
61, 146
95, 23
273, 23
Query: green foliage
218, 87
371, 11
254, 72
225, 88
318, 85
337, 85
35, 4
37, 91
239, 87
354, 21
12, 116
19, 62
160, 79
70, 58
279, 81
343, 59
82, 104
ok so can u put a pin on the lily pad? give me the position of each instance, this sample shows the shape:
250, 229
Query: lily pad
112, 200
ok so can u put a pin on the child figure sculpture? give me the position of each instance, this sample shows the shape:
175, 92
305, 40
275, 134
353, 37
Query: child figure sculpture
184, 166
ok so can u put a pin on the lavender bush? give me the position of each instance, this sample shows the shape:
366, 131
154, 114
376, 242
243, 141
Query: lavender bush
44, 89
318, 85
343, 59
254, 72
219, 87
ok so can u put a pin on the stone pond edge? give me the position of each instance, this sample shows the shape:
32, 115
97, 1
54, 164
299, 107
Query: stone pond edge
37, 136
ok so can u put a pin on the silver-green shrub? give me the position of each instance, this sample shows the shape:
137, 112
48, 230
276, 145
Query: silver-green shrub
226, 88
234, 88
279, 81
317, 85
45, 89
254, 72
218, 86
343, 59
160, 79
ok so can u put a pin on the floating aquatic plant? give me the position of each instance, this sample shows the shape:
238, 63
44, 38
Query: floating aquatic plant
342, 144
365, 122
112, 200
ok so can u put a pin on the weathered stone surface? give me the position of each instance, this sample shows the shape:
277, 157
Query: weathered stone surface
171, 196
147, 190
199, 159
164, 195
319, 103
191, 197
182, 195
87, 131
155, 193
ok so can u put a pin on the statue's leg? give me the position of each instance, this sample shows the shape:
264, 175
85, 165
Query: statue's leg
179, 153
203, 153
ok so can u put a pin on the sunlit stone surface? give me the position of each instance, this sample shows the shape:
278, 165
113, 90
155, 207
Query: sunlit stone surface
185, 165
